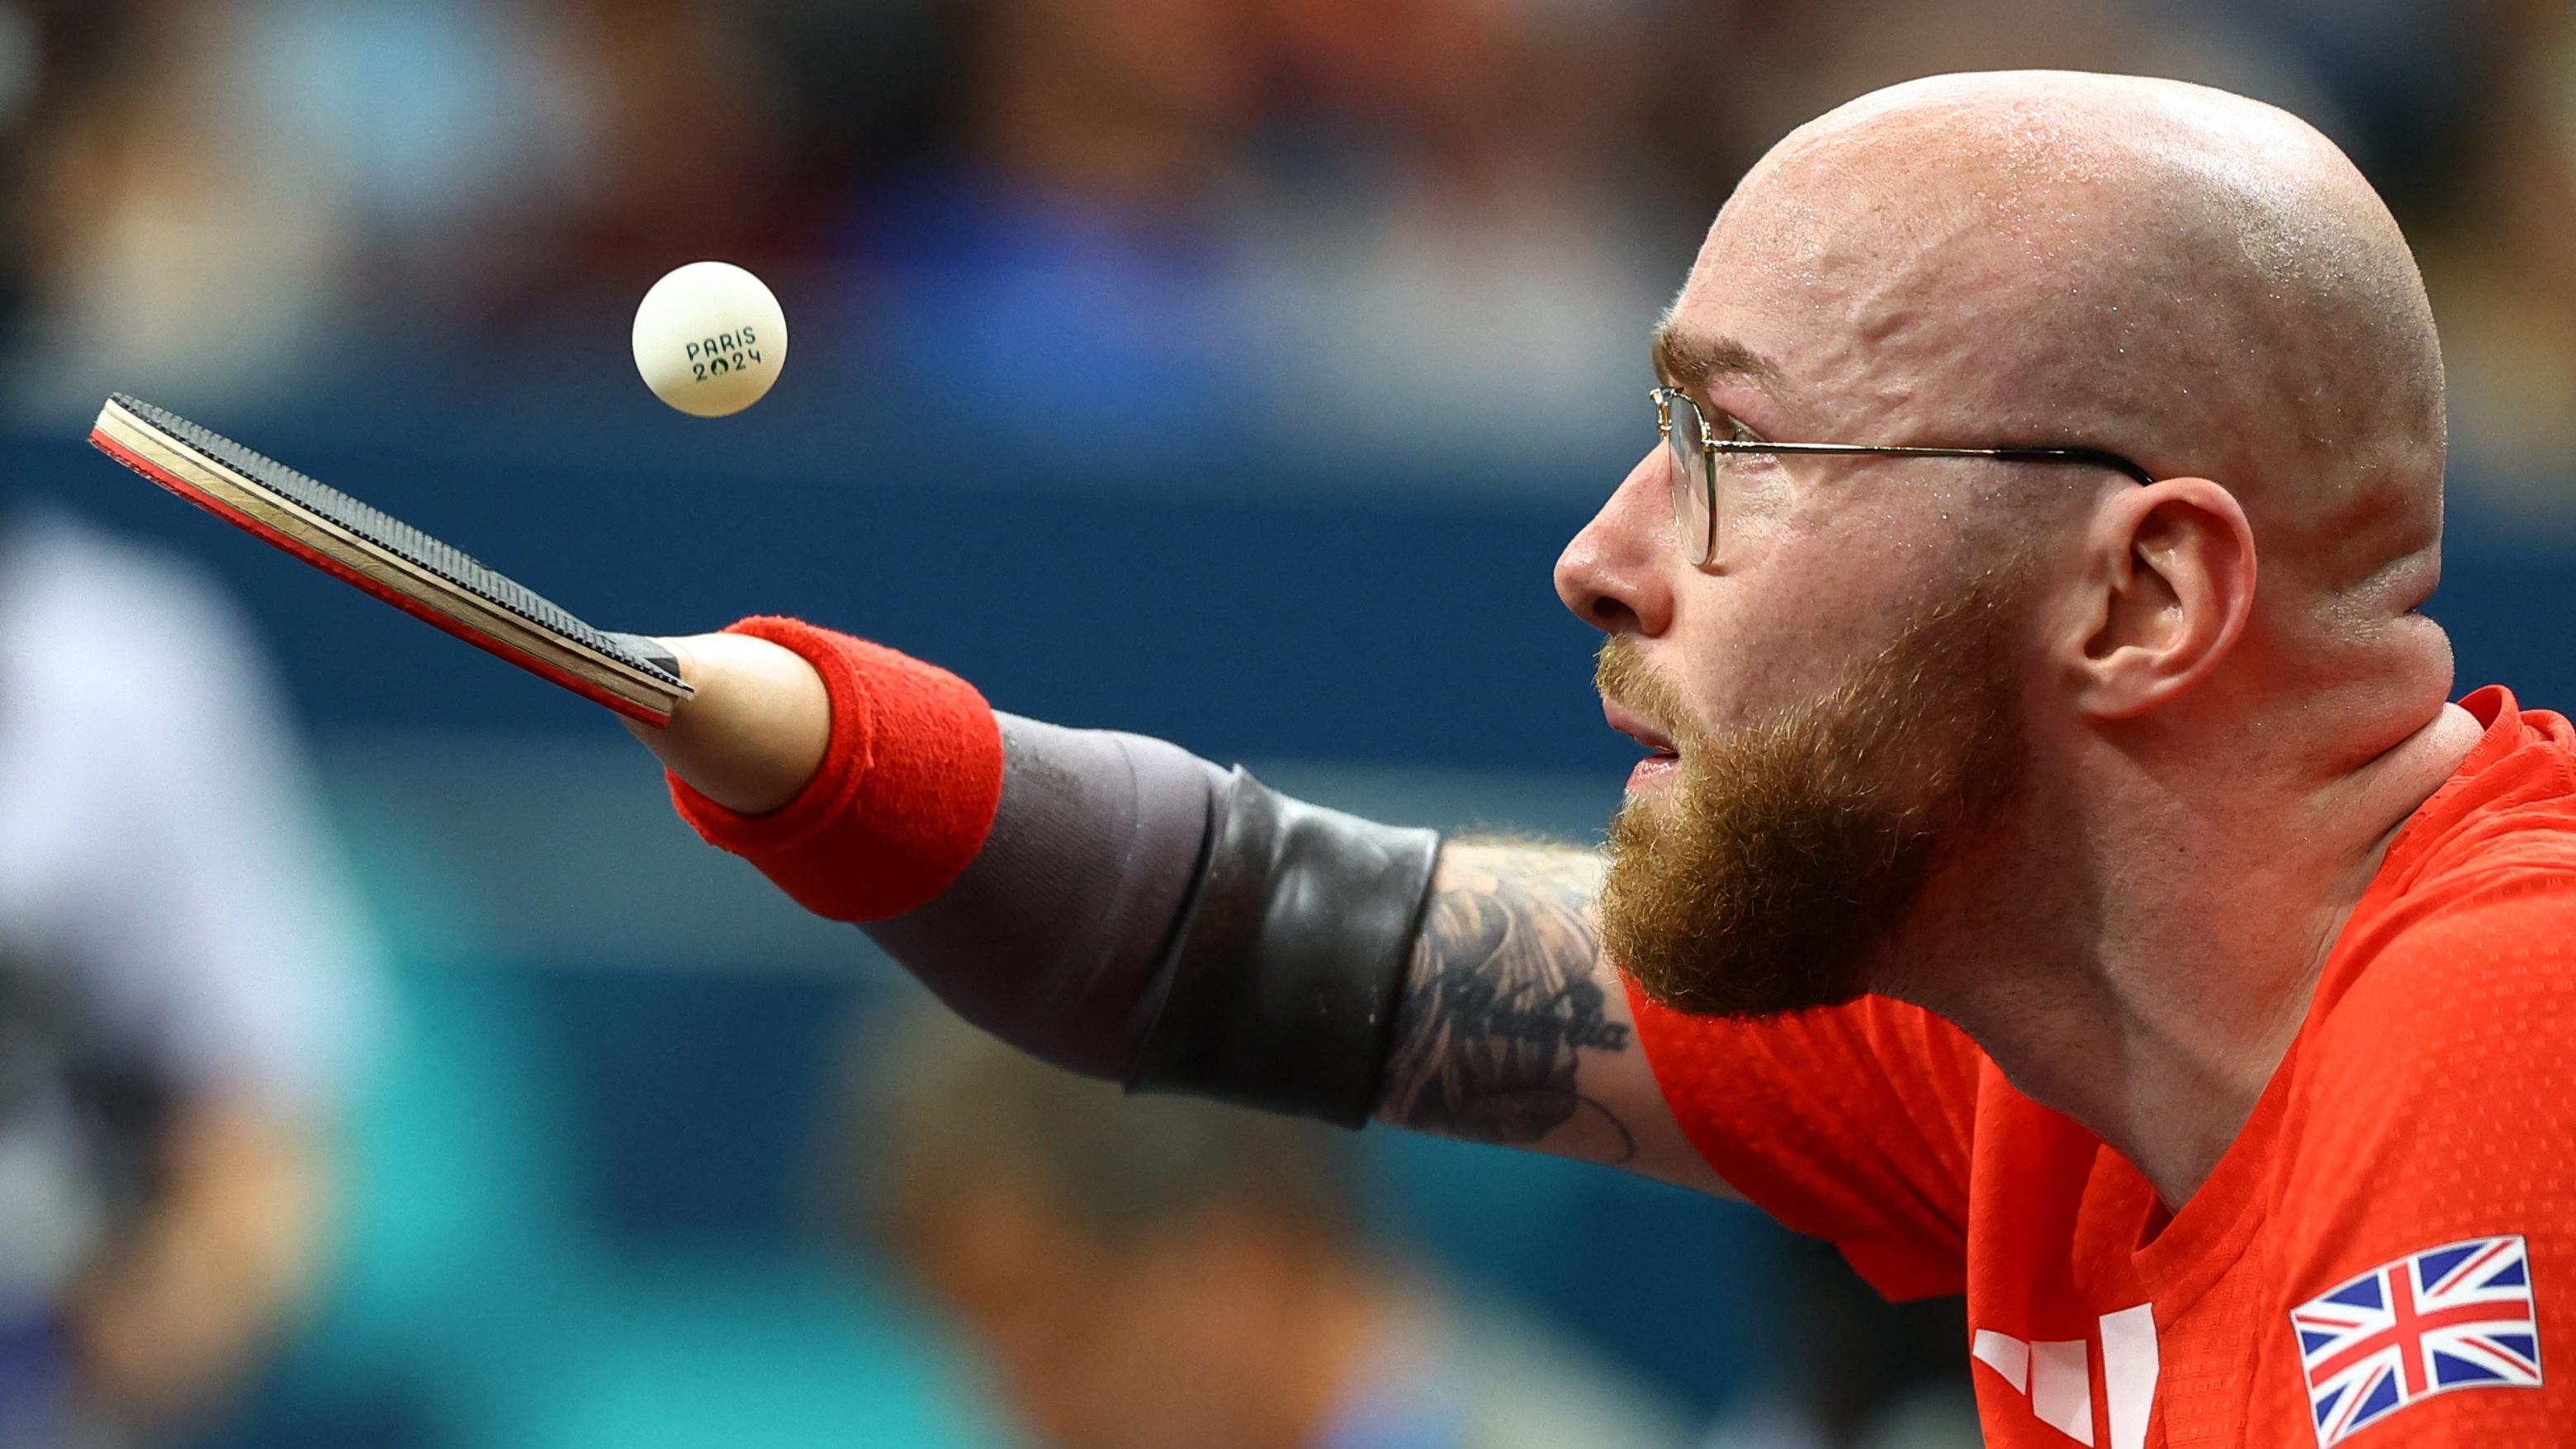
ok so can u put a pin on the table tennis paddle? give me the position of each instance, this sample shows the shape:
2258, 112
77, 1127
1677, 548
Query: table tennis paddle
390, 559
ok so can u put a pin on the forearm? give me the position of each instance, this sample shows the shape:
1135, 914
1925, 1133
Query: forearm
1056, 936
1109, 902
1514, 1029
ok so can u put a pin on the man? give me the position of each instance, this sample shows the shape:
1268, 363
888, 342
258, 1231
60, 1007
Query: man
183, 997
1164, 1272
2026, 889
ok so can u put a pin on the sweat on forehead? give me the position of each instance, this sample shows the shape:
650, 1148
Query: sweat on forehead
2191, 278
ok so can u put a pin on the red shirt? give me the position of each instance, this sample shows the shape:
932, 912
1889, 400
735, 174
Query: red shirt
2408, 1175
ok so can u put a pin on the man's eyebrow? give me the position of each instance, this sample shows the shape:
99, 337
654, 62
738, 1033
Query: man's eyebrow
1686, 361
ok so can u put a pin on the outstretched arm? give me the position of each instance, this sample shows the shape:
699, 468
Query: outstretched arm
1513, 1029
1508, 1026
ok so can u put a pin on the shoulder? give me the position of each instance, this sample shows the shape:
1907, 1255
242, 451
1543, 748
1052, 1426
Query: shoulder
2469, 991
2474, 944
1854, 1123
2437, 1092
2433, 1138
1873, 1050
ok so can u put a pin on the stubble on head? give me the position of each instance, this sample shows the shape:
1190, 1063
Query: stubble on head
1788, 846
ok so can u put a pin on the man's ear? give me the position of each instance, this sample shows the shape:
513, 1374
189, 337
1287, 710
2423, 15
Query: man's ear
2170, 568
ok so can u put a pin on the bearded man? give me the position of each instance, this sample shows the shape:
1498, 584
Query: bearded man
2026, 889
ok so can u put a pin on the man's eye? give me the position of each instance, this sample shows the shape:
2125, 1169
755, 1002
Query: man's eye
1734, 430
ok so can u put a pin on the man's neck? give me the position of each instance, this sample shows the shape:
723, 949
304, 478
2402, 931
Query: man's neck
2145, 969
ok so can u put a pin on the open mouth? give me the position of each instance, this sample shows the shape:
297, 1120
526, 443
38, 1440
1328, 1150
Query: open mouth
1663, 757
1660, 748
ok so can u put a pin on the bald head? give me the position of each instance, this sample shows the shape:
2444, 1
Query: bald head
2195, 279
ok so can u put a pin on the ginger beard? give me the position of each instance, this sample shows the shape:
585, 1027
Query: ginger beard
1757, 880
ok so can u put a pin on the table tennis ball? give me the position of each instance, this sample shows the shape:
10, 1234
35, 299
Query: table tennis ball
709, 339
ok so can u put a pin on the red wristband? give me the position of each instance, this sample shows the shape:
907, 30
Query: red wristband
906, 793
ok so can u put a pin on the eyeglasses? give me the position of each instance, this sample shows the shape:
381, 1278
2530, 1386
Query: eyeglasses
1694, 453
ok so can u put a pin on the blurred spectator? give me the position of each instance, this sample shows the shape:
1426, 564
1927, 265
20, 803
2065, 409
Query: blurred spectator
678, 121
180, 988
2500, 262
1462, 236
1071, 242
168, 233
1743, 73
1158, 1273
453, 132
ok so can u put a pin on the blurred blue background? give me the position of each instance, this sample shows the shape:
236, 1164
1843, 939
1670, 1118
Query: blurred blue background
1228, 370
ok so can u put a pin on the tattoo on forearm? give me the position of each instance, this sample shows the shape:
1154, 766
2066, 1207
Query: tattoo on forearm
1503, 1001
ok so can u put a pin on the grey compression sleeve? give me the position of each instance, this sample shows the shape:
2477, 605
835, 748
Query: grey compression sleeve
1138, 913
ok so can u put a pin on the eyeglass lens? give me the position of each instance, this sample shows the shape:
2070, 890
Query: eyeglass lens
1694, 501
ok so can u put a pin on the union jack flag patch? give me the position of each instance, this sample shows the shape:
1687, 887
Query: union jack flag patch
2454, 1317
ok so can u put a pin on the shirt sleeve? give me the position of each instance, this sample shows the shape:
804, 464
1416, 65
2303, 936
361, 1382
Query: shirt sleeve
1850, 1124
2442, 1097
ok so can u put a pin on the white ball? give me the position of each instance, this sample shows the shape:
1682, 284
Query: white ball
709, 339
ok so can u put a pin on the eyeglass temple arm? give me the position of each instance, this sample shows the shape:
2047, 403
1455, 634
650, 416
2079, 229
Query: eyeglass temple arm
2090, 457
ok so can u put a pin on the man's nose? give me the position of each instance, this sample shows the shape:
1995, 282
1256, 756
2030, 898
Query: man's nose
1616, 574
